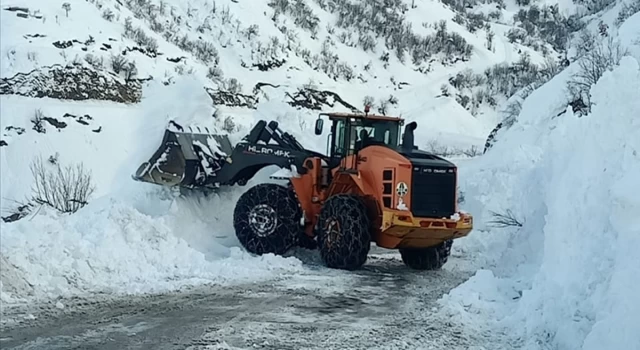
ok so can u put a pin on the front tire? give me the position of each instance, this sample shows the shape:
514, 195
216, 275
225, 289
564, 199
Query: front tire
431, 258
267, 219
343, 232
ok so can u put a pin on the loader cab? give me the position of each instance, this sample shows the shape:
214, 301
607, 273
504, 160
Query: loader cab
352, 132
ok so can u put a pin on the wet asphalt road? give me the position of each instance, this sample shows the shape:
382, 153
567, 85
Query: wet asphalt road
382, 306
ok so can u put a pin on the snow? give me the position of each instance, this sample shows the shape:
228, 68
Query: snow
133, 237
284, 173
142, 221
111, 247
566, 279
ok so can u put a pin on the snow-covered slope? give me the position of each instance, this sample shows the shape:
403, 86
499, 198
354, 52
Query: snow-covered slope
566, 276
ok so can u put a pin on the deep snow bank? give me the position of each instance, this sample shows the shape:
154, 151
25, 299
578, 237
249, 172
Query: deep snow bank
566, 279
133, 237
109, 246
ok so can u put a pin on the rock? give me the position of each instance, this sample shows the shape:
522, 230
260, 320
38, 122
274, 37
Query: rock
316, 99
72, 83
80, 119
175, 60
17, 9
149, 53
269, 65
63, 44
226, 98
17, 129
55, 123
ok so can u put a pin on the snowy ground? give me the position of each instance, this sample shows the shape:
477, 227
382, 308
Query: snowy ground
382, 306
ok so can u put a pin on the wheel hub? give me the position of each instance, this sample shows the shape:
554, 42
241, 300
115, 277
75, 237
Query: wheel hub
332, 229
263, 220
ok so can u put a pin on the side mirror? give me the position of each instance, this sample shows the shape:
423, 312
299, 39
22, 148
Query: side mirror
319, 124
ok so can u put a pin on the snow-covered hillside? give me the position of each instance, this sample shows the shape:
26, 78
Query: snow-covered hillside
94, 83
562, 273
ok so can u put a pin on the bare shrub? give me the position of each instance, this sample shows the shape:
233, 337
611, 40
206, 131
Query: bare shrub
602, 56
108, 15
502, 220
93, 61
439, 149
252, 31
118, 63
206, 52
215, 73
461, 196
130, 71
233, 86
37, 121
512, 111
32, 56
474, 151
139, 36
65, 189
434, 147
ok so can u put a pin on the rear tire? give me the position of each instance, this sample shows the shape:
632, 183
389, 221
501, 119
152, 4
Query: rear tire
267, 219
343, 232
431, 258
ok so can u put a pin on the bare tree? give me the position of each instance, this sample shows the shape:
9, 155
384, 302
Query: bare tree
369, 101
65, 189
474, 151
66, 7
383, 106
490, 36
252, 30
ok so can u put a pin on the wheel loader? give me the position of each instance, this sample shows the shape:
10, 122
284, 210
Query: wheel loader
368, 188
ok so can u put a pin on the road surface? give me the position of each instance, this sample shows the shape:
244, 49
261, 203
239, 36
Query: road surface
382, 306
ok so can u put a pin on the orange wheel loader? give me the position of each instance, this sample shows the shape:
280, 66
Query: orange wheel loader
368, 188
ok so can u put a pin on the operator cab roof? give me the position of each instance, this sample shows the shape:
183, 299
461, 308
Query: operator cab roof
334, 116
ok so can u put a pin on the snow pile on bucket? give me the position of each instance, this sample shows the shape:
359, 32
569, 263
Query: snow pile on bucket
568, 277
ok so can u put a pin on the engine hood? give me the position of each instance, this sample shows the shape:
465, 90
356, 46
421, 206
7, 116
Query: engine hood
425, 159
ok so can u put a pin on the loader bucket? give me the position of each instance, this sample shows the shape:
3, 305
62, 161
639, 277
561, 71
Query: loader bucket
186, 158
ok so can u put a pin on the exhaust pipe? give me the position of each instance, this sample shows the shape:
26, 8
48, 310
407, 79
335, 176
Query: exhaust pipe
408, 143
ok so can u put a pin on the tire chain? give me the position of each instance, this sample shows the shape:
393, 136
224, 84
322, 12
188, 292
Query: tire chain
284, 202
353, 243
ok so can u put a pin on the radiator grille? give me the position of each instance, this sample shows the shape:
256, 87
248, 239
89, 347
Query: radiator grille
433, 192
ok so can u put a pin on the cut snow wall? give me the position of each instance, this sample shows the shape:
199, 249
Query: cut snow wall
570, 273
